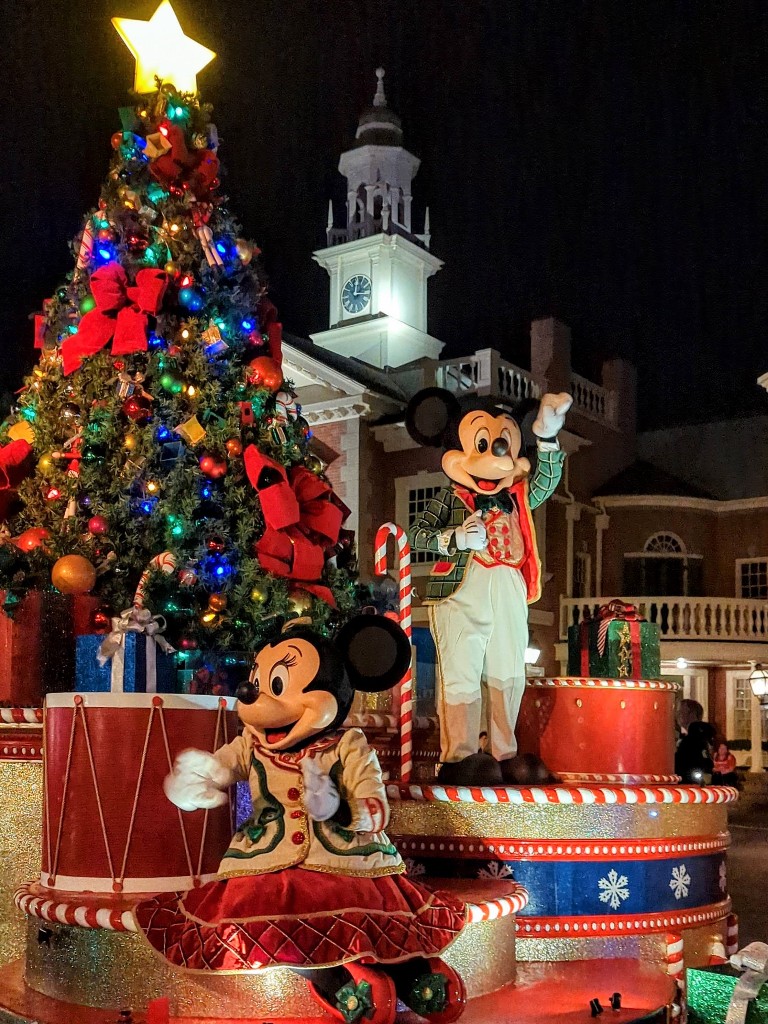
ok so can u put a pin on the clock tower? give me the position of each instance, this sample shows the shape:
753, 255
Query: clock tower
378, 265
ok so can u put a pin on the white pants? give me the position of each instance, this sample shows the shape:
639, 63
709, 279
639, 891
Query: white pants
481, 633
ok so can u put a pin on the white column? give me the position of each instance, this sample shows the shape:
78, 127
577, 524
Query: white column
756, 735
601, 525
572, 515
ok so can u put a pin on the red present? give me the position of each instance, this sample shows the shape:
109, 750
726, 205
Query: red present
37, 644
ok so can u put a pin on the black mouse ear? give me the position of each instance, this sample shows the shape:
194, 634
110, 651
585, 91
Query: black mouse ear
376, 652
428, 415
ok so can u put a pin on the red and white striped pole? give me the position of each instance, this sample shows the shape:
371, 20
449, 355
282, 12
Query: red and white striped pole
406, 683
676, 970
732, 934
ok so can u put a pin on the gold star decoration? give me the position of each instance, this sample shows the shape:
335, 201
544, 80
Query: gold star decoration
163, 51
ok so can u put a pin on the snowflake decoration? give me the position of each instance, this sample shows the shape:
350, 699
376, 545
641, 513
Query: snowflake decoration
614, 889
413, 867
723, 879
679, 882
496, 869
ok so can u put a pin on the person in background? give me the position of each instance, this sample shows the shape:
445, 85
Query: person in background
693, 757
724, 766
688, 712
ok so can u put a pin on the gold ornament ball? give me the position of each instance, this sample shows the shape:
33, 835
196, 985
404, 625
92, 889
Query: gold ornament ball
300, 602
130, 441
171, 268
314, 464
259, 595
73, 574
45, 465
217, 602
244, 250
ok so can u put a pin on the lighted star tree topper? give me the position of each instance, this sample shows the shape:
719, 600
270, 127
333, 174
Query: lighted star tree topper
163, 51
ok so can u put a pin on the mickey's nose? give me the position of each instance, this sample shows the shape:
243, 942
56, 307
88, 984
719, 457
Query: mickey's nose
500, 446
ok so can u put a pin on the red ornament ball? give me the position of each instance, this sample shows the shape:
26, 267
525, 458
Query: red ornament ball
234, 447
215, 544
264, 372
106, 234
188, 643
116, 139
137, 408
98, 525
31, 539
212, 467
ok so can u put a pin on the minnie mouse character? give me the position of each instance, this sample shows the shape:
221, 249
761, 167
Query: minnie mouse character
311, 881
479, 590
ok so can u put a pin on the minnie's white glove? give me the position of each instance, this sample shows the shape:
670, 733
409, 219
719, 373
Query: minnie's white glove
551, 416
472, 534
198, 780
321, 798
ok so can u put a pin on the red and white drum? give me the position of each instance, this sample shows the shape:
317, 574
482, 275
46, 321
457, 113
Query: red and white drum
107, 824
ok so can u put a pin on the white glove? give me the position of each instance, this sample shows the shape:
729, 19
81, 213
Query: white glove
472, 534
321, 798
197, 780
551, 415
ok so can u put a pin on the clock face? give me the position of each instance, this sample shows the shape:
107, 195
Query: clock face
356, 293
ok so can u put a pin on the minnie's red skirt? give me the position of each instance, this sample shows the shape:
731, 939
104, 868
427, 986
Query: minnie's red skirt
299, 918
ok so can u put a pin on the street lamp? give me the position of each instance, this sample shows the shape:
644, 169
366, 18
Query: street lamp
758, 680
532, 653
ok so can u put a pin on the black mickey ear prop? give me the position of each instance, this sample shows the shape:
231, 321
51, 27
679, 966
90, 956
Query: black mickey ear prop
376, 652
429, 414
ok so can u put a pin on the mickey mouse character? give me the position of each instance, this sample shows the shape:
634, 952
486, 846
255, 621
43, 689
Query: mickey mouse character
311, 881
479, 591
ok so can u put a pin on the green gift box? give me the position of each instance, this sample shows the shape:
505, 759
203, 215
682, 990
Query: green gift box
614, 648
710, 990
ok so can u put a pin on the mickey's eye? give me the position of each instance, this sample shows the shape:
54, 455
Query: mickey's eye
278, 680
482, 441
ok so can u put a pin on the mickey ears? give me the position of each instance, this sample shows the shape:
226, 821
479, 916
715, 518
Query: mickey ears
428, 415
376, 652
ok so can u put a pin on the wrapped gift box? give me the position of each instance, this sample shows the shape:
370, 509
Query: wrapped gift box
37, 644
630, 650
130, 667
709, 995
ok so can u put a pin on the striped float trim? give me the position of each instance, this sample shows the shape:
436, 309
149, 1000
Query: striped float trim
654, 685
458, 848
72, 912
585, 795
619, 780
21, 716
632, 924
493, 910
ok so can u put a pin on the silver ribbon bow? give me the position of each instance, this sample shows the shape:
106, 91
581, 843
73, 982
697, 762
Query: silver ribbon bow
134, 620
753, 961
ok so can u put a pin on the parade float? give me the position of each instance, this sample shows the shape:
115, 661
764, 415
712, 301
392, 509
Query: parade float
181, 615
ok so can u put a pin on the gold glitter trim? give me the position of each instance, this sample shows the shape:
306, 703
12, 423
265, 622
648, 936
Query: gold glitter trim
21, 811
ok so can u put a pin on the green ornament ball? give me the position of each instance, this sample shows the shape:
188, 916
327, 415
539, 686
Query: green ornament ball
87, 304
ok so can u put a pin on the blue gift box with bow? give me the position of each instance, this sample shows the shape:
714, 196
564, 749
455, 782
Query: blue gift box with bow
133, 658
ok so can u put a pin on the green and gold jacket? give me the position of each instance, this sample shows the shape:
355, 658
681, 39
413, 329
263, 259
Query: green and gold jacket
453, 504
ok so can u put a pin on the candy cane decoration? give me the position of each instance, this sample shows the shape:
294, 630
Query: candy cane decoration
86, 246
165, 562
676, 970
732, 934
406, 684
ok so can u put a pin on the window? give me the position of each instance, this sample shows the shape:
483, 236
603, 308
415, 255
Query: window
664, 568
664, 543
412, 495
742, 708
752, 578
582, 574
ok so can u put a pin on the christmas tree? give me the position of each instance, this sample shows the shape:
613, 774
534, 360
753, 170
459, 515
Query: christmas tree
156, 455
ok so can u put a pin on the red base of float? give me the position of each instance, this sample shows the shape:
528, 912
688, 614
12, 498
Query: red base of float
558, 993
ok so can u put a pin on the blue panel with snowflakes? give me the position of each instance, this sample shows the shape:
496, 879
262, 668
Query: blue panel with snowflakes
587, 888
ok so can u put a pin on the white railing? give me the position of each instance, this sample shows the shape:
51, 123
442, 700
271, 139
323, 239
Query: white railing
591, 399
486, 373
684, 618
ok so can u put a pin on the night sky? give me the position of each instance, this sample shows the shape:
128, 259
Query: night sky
605, 162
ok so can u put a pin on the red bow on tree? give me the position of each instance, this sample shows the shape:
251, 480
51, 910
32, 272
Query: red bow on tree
196, 170
120, 314
15, 466
303, 518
